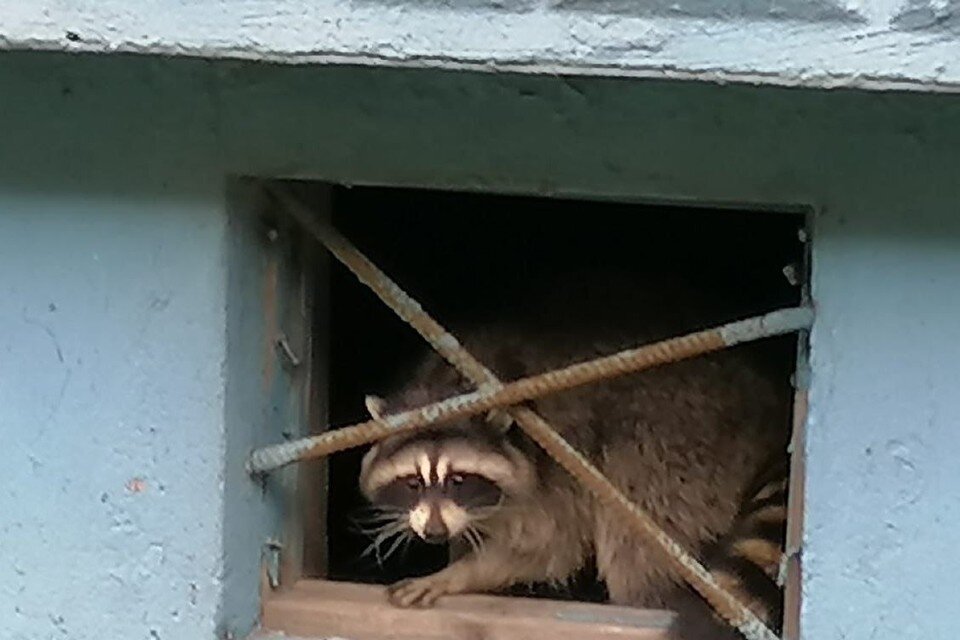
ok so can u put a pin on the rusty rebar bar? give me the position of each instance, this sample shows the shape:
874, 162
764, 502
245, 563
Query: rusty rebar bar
726, 605
512, 393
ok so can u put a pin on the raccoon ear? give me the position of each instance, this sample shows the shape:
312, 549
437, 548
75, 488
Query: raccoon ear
502, 420
375, 406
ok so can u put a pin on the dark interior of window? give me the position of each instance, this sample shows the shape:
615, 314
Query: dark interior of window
463, 255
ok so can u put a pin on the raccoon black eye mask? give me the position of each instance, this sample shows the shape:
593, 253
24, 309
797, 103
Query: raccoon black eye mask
468, 490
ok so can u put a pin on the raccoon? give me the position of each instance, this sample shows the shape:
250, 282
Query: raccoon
684, 441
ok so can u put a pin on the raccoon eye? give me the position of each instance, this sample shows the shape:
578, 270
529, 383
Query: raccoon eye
414, 482
470, 490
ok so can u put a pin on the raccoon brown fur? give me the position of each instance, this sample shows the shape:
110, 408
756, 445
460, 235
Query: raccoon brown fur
684, 441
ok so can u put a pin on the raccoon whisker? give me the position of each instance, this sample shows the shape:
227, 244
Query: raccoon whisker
375, 529
392, 528
473, 537
370, 548
377, 515
404, 536
380, 508
477, 540
481, 538
407, 539
467, 534
380, 520
377, 544
387, 517
376, 508
473, 528
385, 534
370, 532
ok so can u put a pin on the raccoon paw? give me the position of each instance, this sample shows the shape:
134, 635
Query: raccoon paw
418, 592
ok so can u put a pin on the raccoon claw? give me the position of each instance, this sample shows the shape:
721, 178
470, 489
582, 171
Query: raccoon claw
417, 592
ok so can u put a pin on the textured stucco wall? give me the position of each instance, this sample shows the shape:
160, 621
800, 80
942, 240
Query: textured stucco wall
883, 484
111, 355
112, 207
820, 43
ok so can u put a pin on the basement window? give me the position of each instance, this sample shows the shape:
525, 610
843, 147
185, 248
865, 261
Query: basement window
470, 256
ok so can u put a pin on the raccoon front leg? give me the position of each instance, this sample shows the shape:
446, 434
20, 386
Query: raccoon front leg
490, 570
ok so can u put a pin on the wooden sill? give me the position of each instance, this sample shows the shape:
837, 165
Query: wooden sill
321, 609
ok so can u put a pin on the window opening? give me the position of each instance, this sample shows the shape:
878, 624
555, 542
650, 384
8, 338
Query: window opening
706, 249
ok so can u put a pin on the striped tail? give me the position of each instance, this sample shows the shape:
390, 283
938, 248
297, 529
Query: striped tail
748, 560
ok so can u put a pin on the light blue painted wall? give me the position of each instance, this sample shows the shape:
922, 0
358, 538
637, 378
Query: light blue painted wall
112, 357
113, 208
111, 383
883, 501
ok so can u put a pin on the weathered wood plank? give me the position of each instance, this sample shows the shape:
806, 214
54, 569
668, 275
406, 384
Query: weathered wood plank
318, 608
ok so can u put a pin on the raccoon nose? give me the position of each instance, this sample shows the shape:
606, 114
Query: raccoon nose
435, 534
435, 531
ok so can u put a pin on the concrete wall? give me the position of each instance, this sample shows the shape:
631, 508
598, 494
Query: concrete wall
111, 388
814, 43
124, 282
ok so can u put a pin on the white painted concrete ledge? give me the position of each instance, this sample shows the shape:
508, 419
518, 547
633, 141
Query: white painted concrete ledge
879, 44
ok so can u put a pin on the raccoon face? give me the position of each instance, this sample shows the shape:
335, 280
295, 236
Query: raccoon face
443, 483
438, 501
